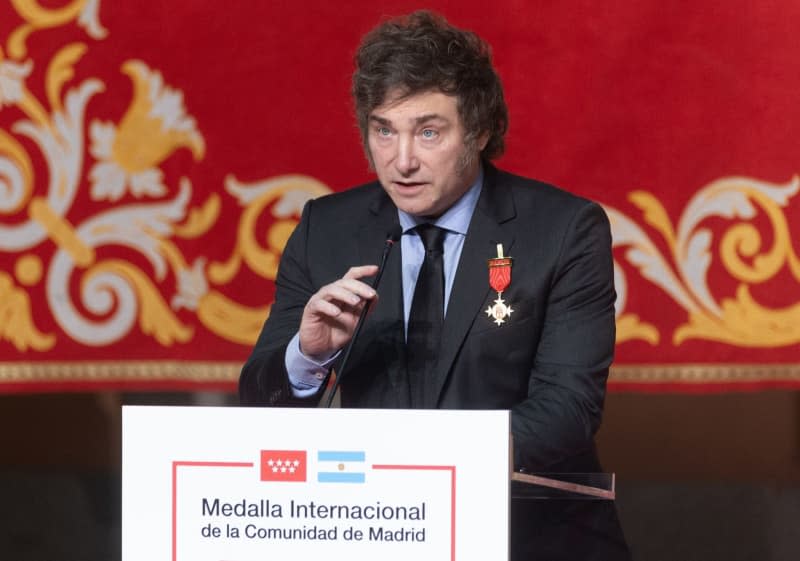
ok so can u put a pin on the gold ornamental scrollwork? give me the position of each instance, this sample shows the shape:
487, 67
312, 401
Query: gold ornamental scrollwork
37, 18
283, 198
127, 156
682, 273
169, 295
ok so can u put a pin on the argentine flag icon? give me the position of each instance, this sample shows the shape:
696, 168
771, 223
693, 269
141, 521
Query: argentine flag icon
340, 466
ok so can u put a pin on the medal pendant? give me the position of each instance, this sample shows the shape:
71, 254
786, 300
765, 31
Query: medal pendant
500, 311
499, 279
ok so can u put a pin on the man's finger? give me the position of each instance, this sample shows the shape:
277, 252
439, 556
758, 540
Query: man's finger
360, 271
348, 292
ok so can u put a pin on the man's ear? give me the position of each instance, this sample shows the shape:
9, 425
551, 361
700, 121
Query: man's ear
483, 140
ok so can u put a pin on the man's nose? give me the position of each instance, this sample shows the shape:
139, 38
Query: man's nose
406, 161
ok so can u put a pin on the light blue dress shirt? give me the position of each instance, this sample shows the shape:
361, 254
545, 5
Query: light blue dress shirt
305, 374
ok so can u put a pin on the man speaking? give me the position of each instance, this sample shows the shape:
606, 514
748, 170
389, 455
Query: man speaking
499, 296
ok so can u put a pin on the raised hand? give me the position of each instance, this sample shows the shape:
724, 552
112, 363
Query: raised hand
331, 314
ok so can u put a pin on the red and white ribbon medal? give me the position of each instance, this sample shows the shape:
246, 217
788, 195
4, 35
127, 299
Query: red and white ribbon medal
499, 279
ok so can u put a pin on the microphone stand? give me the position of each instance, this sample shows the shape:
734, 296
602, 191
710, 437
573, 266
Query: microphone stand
391, 239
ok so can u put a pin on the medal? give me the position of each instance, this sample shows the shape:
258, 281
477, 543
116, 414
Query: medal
499, 279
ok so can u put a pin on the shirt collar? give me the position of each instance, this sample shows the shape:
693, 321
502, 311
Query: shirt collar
456, 218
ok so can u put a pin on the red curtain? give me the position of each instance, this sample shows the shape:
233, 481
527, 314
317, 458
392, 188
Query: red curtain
154, 158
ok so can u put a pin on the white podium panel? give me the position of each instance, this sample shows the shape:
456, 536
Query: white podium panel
248, 484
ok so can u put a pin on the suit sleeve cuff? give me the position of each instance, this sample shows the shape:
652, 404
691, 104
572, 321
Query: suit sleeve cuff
305, 375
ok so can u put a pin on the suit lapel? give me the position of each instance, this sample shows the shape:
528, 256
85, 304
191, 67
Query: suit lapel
374, 229
489, 226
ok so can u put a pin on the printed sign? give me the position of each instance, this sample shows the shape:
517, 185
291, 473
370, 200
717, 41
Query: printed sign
243, 484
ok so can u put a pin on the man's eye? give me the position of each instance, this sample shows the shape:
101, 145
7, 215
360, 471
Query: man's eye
384, 131
429, 133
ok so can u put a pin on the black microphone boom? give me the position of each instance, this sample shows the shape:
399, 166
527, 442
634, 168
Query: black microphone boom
391, 238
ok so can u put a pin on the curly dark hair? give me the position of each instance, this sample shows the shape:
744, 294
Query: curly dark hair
423, 52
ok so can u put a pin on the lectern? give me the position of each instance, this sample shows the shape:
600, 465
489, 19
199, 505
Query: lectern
242, 484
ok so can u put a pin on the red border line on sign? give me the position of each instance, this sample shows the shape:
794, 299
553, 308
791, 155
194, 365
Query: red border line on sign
175, 465
452, 470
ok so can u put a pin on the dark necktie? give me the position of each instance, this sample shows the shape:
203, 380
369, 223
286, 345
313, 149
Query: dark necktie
426, 318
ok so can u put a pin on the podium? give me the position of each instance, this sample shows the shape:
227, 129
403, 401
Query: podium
241, 484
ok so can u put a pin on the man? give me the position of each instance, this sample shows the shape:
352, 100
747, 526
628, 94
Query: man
431, 112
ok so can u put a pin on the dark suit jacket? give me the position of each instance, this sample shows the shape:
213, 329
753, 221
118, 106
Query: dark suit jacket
548, 362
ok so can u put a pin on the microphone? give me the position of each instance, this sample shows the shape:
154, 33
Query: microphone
392, 236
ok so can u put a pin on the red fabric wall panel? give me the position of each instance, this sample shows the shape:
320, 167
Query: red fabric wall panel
154, 157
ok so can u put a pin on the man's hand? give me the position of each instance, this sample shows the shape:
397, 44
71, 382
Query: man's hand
330, 316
